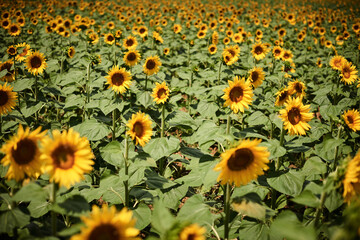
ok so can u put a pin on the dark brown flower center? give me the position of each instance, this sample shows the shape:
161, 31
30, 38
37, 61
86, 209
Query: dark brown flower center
35, 62
4, 98
138, 128
150, 64
61, 29
142, 30
258, 50
129, 42
350, 119
131, 56
191, 236
346, 72
117, 79
110, 38
212, 49
294, 116
298, 87
63, 156
236, 94
241, 159
254, 76
161, 93
5, 23
25, 151
283, 96
282, 32
14, 29
232, 52
12, 50
105, 231
286, 55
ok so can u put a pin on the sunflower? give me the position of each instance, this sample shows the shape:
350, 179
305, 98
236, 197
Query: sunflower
118, 79
231, 54
243, 163
296, 116
277, 52
157, 37
143, 31
161, 93
140, 128
256, 76
7, 99
130, 43
259, 51
152, 65
281, 32
238, 95
352, 119
237, 38
215, 37
35, 63
5, 23
71, 52
319, 63
351, 181
10, 74
108, 223
287, 55
25, 51
109, 38
22, 154
132, 57
212, 49
193, 232
282, 96
166, 51
201, 34
14, 30
336, 62
67, 156
11, 50
297, 87
348, 73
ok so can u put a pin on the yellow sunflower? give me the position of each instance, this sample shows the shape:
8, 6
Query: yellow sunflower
166, 51
152, 65
108, 223
67, 156
352, 179
243, 163
348, 73
352, 119
232, 52
25, 51
10, 74
161, 93
259, 51
109, 38
296, 116
140, 128
287, 56
14, 30
11, 50
132, 57
71, 52
35, 63
143, 31
282, 96
177, 28
297, 87
118, 79
336, 62
212, 49
22, 154
277, 52
130, 43
193, 232
238, 95
256, 76
7, 99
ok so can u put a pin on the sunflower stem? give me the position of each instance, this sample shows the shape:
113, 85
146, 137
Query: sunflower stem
114, 124
188, 57
114, 52
126, 183
146, 80
53, 213
273, 66
162, 120
227, 211
277, 165
336, 148
87, 85
228, 122
219, 73
319, 209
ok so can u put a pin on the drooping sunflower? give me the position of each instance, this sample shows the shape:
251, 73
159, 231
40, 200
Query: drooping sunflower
259, 51
351, 181
14, 29
130, 43
319, 63
10, 74
243, 163
161, 93
71, 52
212, 49
152, 65
118, 79
193, 232
35, 63
282, 96
348, 73
7, 99
336, 62
297, 87
26, 51
22, 154
238, 95
109, 38
296, 116
352, 119
67, 157
256, 76
140, 128
108, 223
132, 57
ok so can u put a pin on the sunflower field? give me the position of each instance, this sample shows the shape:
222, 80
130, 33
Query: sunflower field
179, 120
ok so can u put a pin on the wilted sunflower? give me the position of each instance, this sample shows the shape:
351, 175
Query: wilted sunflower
238, 95
193, 232
259, 51
278, 52
109, 38
348, 73
243, 163
36, 63
212, 49
67, 156
352, 119
118, 79
25, 51
256, 76
351, 181
14, 29
71, 52
22, 154
152, 65
10, 74
7, 99
296, 116
108, 223
336, 62
132, 57
161, 93
282, 96
140, 128
11, 50
297, 87
130, 43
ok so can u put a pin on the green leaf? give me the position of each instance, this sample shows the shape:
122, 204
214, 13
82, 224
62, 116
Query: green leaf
290, 183
11, 219
171, 199
251, 188
155, 181
326, 149
30, 192
22, 84
314, 165
195, 210
274, 148
207, 109
75, 206
145, 99
307, 198
113, 189
92, 129
333, 201
74, 101
113, 153
39, 208
258, 118
162, 147
162, 220
31, 109
180, 118
253, 230
142, 214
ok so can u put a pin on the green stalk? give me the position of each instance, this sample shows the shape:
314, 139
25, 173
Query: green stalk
277, 167
36, 88
114, 52
319, 209
114, 124
53, 214
162, 120
146, 80
126, 183
188, 59
227, 211
228, 122
219, 73
189, 100
336, 148
87, 85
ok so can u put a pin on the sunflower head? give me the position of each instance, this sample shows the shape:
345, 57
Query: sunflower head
10, 74
351, 180
166, 51
109, 38
243, 163
23, 50
161, 93
348, 73
259, 51
140, 128
238, 95
192, 231
7, 99
14, 30
212, 49
352, 119
11, 50
118, 79
130, 42
71, 52
256, 76
282, 96
297, 87
132, 57
36, 63
152, 65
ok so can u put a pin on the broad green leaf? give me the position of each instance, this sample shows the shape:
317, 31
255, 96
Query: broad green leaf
162, 147
92, 129
333, 201
171, 198
274, 148
307, 198
145, 99
22, 84
289, 183
251, 188
162, 220
195, 210
74, 206
180, 118
142, 214
30, 192
113, 153
253, 230
11, 219
113, 189
314, 165
258, 118
39, 208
